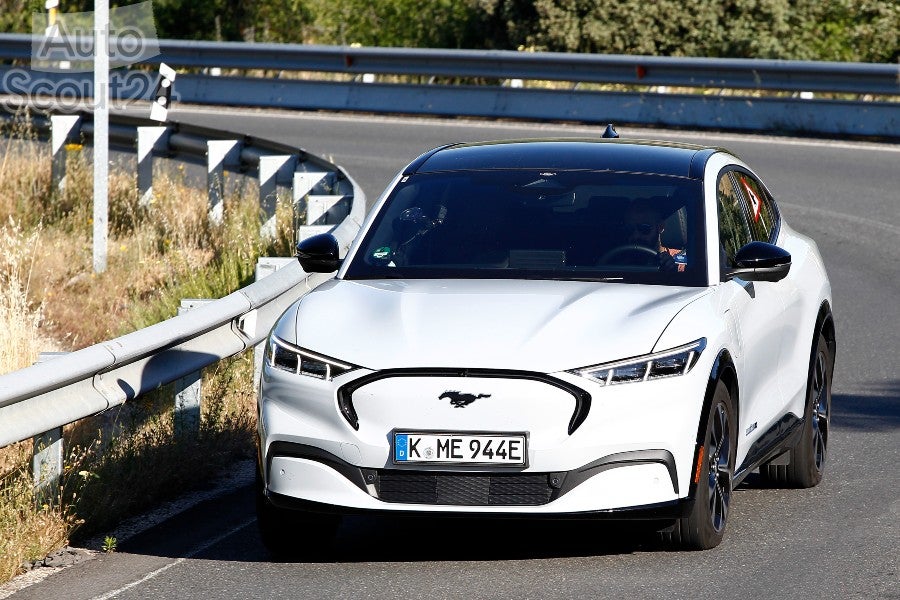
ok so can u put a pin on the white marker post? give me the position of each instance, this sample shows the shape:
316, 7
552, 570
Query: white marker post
101, 132
52, 7
162, 98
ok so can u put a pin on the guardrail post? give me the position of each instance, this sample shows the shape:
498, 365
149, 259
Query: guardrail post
62, 128
273, 170
304, 183
326, 209
219, 154
265, 265
188, 393
326, 200
306, 231
149, 140
47, 457
47, 466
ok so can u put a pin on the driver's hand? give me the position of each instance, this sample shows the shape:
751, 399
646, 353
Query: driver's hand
666, 262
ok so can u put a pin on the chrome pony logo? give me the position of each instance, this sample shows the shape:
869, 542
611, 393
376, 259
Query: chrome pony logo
460, 400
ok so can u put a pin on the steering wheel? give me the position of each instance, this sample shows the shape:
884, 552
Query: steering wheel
623, 249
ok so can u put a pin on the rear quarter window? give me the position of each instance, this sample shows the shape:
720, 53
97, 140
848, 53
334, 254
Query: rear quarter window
733, 229
760, 212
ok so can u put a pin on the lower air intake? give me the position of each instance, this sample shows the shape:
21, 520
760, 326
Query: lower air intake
464, 489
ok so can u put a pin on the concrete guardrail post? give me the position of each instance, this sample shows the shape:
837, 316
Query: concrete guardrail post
149, 140
47, 457
188, 392
62, 128
274, 170
47, 466
304, 184
325, 200
330, 209
220, 154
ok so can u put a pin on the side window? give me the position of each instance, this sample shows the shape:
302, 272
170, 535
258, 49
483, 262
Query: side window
759, 207
733, 230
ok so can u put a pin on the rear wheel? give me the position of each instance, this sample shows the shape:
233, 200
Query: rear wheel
288, 533
806, 460
704, 527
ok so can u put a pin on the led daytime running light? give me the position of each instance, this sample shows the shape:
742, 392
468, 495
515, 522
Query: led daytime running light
287, 357
659, 365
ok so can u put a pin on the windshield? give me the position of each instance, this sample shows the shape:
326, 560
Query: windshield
533, 224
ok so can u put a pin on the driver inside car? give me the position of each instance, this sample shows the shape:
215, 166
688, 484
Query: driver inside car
645, 224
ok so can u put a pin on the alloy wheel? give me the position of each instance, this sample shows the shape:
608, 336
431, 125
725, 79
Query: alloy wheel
719, 479
820, 414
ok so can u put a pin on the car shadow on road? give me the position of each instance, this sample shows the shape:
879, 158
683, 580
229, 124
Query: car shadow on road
198, 534
366, 539
873, 407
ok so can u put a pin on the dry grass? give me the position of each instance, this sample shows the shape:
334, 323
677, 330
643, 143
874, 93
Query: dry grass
124, 460
26, 533
135, 448
20, 319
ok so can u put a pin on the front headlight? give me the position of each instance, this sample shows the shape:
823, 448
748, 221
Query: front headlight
290, 358
668, 363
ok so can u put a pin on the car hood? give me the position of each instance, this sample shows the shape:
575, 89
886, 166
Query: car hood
543, 326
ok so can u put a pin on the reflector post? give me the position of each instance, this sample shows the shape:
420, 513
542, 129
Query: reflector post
162, 97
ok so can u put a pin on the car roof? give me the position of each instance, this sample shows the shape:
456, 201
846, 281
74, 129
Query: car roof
629, 156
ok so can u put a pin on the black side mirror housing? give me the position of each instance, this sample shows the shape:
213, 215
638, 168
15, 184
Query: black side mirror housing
761, 261
319, 254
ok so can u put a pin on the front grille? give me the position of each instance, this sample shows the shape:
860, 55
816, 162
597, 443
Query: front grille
467, 489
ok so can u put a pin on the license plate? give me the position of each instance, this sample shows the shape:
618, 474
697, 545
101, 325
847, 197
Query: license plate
460, 448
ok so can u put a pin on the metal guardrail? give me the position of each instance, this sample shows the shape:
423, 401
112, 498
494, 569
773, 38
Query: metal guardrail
734, 94
546, 66
73, 386
734, 73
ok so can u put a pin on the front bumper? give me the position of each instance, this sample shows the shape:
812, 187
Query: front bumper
308, 478
632, 451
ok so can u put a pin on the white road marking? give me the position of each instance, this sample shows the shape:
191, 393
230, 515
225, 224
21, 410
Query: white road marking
161, 570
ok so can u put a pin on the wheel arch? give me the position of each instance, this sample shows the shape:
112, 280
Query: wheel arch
723, 369
825, 326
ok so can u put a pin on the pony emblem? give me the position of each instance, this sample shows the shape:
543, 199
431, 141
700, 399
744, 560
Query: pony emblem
460, 400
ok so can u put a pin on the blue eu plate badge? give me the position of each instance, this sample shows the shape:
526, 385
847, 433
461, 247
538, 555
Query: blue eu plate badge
401, 444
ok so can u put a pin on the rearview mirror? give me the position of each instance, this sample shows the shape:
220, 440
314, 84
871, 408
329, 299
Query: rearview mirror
319, 254
761, 261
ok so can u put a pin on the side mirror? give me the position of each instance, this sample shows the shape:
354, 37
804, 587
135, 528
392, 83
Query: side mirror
319, 254
761, 261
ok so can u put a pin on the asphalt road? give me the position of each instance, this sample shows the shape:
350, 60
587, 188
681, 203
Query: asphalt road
838, 540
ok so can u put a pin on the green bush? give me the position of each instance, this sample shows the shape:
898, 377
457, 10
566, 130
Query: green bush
835, 30
839, 30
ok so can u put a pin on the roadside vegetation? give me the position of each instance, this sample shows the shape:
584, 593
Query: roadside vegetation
125, 459
833, 30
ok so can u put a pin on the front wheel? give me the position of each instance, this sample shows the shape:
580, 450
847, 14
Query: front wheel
806, 460
704, 526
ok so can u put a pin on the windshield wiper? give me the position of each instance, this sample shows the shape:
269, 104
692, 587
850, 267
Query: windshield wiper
600, 279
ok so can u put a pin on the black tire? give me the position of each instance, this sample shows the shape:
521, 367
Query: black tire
704, 526
806, 460
293, 534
